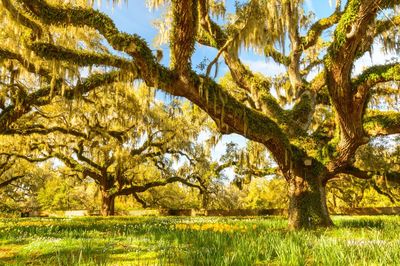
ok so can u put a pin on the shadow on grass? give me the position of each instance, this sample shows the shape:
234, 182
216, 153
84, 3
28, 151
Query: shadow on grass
73, 251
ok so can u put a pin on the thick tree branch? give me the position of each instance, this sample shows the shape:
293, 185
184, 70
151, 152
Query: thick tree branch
71, 163
349, 104
7, 54
318, 27
133, 44
356, 172
270, 51
382, 123
375, 75
79, 154
380, 191
143, 188
140, 200
42, 130
26, 158
50, 51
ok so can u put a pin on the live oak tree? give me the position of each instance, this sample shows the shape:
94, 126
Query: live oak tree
313, 131
126, 149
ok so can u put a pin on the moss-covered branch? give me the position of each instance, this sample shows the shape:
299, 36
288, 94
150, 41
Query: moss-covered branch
270, 51
30, 67
210, 33
382, 123
318, 27
10, 180
81, 157
42, 130
377, 74
66, 15
80, 58
303, 111
358, 173
27, 158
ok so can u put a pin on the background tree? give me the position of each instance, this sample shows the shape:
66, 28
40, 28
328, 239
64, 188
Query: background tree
377, 158
120, 147
309, 147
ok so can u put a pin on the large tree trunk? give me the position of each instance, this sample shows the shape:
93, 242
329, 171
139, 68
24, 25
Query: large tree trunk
307, 201
107, 204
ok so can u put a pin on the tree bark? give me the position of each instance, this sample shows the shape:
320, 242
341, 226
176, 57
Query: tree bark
107, 204
204, 200
307, 201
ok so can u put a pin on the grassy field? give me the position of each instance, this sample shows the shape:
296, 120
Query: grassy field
197, 241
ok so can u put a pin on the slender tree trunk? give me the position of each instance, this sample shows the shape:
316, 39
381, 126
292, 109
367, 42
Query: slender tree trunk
107, 204
307, 201
204, 201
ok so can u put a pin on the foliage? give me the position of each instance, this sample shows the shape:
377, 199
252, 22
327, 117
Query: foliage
61, 193
266, 194
21, 194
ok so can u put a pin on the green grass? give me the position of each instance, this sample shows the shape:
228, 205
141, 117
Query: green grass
197, 241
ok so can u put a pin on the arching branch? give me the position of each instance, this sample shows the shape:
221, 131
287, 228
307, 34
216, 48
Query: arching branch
73, 164
375, 75
59, 16
318, 27
382, 123
50, 51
